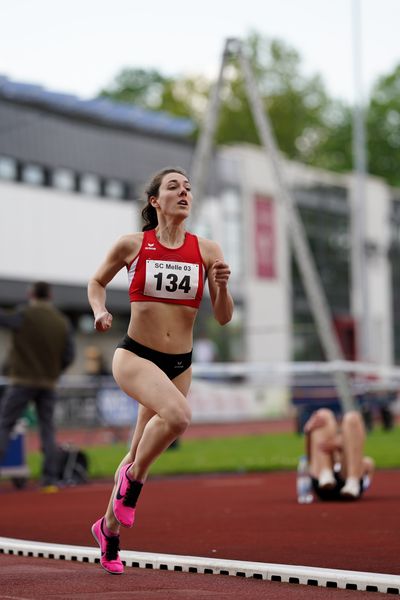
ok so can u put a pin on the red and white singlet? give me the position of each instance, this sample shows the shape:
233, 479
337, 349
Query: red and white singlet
172, 275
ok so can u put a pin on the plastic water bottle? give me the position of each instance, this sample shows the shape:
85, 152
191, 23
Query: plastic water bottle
366, 482
304, 484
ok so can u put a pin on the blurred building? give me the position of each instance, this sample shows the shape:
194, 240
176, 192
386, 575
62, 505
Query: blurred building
71, 178
277, 321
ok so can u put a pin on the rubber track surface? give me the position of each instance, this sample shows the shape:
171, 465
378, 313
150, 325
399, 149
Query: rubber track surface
244, 517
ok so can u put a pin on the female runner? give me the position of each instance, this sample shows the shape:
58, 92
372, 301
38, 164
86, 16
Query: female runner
167, 268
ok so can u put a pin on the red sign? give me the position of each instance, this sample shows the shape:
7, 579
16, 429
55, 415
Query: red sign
265, 250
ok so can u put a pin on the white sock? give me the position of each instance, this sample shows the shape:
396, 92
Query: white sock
326, 478
351, 487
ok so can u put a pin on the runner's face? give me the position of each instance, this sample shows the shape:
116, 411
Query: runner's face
175, 196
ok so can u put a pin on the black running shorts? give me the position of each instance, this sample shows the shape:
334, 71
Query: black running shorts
172, 364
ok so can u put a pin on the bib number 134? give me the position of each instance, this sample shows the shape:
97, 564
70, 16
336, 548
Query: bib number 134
173, 280
174, 283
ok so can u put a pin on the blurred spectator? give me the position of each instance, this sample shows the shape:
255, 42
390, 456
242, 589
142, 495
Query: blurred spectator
42, 346
95, 365
338, 467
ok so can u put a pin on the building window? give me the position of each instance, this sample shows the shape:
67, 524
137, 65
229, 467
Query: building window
33, 174
8, 168
63, 179
90, 184
325, 214
114, 188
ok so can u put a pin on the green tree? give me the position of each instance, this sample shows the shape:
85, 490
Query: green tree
297, 106
334, 149
181, 96
137, 86
383, 129
309, 125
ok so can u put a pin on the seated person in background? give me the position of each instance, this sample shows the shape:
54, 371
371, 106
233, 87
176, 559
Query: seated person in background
338, 467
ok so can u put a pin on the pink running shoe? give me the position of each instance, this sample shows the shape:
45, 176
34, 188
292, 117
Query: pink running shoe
109, 547
125, 498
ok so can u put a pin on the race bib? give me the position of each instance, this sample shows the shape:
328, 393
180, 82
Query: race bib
174, 280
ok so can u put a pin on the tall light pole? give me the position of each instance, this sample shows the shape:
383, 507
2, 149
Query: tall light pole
360, 274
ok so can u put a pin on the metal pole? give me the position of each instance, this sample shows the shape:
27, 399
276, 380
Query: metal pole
302, 253
359, 211
202, 154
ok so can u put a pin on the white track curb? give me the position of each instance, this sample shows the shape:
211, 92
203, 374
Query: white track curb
312, 576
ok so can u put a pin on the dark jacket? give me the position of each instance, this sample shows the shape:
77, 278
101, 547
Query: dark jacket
42, 344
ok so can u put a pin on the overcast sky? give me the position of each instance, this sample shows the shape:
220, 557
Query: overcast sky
78, 46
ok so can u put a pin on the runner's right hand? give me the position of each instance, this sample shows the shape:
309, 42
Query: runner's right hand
103, 321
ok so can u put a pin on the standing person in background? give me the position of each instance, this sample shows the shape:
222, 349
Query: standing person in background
167, 267
42, 347
338, 467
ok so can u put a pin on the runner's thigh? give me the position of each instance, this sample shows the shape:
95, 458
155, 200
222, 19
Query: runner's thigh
145, 382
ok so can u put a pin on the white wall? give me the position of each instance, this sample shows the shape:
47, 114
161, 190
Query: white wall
378, 204
58, 236
267, 300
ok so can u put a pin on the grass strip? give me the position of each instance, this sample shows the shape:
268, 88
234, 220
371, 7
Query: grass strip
278, 451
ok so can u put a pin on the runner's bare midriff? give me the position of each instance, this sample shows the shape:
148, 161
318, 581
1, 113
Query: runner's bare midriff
163, 327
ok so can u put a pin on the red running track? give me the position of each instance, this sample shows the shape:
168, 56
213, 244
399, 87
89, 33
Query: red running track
251, 517
39, 579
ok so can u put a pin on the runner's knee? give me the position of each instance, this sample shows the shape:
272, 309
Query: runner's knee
178, 419
352, 420
328, 416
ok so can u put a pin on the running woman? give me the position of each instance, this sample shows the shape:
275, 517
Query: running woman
167, 268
